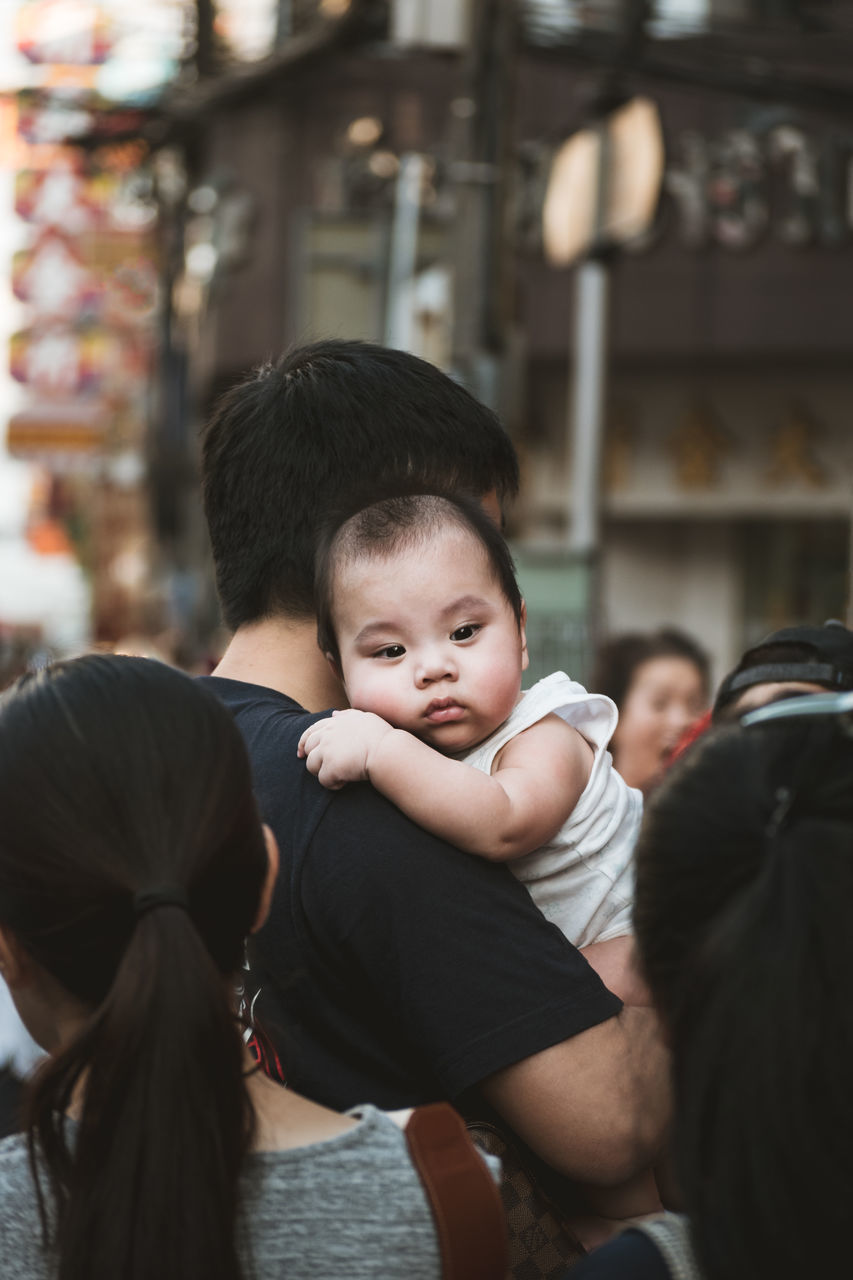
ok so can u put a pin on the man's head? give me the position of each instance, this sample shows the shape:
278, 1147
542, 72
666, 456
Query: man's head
285, 447
419, 611
791, 661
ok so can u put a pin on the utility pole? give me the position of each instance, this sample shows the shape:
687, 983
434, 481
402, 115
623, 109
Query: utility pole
403, 252
205, 55
482, 169
588, 393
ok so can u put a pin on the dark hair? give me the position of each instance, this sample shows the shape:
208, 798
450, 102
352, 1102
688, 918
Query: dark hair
397, 523
284, 447
118, 775
618, 660
744, 879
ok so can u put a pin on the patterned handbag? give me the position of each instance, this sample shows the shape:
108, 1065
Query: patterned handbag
542, 1245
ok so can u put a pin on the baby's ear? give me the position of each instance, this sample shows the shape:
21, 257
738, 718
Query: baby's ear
522, 631
336, 667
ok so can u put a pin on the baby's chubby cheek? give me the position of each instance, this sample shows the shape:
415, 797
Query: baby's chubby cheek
374, 695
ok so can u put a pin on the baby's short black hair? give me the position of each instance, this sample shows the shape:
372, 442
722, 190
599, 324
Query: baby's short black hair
399, 522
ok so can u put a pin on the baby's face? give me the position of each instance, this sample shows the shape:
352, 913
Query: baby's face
428, 641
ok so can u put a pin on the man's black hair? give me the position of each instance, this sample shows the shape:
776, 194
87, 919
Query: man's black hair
399, 523
285, 446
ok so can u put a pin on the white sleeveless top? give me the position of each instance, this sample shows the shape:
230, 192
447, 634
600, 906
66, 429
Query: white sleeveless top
582, 880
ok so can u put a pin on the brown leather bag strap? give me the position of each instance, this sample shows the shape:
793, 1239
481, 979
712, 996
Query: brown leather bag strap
466, 1203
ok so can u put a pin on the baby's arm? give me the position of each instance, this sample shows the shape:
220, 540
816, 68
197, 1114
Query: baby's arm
539, 777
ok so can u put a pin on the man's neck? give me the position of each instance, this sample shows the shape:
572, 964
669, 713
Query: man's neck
282, 654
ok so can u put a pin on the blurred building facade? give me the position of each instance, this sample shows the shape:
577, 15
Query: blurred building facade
79, 317
726, 489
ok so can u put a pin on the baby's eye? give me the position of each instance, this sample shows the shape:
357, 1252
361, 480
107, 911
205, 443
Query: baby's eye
465, 632
390, 651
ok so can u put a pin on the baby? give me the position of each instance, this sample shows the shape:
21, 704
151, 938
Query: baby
420, 615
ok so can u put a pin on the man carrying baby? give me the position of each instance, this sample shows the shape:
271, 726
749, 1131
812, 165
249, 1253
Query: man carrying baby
392, 967
420, 615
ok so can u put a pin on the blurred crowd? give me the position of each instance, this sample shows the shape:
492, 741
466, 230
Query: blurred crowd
273, 932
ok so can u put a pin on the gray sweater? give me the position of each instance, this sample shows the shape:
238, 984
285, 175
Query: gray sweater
351, 1206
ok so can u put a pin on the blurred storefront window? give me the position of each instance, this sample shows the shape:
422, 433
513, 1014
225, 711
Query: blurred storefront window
793, 571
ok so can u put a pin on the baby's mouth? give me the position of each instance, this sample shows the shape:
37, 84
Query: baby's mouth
443, 710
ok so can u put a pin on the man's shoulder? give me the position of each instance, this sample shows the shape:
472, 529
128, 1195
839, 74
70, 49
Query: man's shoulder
265, 716
357, 836
243, 695
290, 797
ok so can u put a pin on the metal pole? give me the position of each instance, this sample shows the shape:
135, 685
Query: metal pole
587, 403
482, 168
588, 394
403, 252
848, 617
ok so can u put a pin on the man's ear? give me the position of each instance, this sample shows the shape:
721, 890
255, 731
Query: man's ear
15, 965
269, 880
522, 631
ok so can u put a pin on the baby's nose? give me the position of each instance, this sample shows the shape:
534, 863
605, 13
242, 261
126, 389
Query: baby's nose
435, 664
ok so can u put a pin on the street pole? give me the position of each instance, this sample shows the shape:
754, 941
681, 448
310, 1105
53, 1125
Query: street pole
588, 393
587, 406
481, 169
849, 614
403, 252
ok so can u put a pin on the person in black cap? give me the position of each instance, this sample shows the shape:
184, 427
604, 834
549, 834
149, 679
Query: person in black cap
795, 660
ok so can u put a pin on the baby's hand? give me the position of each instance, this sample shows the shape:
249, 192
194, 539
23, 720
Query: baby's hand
338, 749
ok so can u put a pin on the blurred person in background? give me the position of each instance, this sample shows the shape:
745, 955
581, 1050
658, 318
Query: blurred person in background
788, 663
744, 880
795, 660
18, 1051
660, 684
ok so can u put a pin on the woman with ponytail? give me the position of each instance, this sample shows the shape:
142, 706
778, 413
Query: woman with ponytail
132, 867
744, 886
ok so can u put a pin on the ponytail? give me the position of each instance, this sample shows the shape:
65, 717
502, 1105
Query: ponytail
132, 885
165, 1122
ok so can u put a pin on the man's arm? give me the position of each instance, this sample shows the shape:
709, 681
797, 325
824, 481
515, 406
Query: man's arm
541, 775
595, 1107
614, 960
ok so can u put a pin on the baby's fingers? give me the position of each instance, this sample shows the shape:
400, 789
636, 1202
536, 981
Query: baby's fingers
324, 770
309, 740
330, 778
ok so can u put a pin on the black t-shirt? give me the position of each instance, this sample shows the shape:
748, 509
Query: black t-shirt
393, 969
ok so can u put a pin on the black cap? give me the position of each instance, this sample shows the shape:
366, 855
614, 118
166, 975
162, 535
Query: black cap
818, 655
